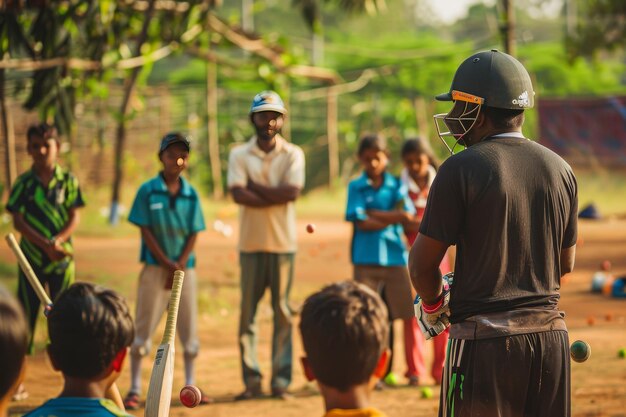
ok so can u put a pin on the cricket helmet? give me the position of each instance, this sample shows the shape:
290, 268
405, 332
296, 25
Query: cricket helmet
488, 78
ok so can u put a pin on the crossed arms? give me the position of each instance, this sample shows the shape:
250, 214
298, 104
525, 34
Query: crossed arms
258, 195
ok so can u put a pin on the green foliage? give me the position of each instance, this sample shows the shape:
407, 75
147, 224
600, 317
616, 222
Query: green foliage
601, 26
580, 78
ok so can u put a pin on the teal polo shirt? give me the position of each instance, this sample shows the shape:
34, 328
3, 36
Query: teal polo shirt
383, 247
77, 407
172, 219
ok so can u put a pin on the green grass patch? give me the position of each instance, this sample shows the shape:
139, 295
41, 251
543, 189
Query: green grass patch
607, 190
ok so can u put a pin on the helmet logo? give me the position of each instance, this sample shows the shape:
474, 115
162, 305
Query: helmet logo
522, 100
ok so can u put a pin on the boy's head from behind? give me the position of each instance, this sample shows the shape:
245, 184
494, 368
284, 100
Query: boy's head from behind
344, 331
13, 343
90, 329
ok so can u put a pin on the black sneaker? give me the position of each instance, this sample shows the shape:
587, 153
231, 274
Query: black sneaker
131, 402
250, 393
281, 394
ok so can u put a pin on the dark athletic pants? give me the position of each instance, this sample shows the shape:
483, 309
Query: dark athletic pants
58, 277
514, 376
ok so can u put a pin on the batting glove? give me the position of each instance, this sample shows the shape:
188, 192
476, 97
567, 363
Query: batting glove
434, 319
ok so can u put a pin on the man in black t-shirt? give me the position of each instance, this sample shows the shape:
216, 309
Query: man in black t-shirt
509, 205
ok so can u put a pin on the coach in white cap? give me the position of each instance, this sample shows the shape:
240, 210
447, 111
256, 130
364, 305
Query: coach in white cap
265, 176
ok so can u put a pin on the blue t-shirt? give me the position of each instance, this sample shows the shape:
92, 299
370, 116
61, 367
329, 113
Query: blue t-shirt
172, 219
383, 247
77, 407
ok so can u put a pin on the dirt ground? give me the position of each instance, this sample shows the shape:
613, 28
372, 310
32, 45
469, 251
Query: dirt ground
598, 385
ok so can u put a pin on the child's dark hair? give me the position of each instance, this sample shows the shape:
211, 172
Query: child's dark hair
88, 325
42, 130
420, 145
374, 141
344, 331
13, 341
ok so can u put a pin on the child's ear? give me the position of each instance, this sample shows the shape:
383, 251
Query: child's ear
118, 361
306, 366
381, 366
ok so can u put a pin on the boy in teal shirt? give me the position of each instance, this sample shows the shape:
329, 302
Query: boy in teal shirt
168, 212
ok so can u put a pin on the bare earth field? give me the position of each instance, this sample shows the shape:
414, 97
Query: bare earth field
598, 385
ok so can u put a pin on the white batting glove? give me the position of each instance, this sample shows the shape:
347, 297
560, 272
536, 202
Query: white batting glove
434, 319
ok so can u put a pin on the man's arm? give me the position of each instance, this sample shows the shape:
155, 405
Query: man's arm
568, 256
247, 197
37, 238
424, 259
275, 195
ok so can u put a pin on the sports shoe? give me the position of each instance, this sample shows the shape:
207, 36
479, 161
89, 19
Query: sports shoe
414, 381
249, 393
281, 394
131, 402
205, 399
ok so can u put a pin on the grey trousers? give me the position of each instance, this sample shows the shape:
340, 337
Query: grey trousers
260, 270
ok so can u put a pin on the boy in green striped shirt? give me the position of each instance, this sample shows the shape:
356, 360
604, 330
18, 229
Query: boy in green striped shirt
44, 203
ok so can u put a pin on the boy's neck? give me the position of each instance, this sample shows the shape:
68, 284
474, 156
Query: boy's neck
377, 180
45, 172
420, 180
78, 387
172, 182
4, 405
356, 397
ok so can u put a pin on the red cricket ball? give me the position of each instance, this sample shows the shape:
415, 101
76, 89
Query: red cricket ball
310, 227
190, 396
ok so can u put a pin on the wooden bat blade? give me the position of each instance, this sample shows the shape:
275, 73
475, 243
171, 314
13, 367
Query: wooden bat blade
161, 381
162, 377
28, 270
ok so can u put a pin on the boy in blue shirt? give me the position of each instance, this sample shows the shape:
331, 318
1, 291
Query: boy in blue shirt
168, 212
379, 207
90, 330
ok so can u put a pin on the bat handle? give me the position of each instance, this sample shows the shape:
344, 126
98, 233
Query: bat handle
28, 270
170, 324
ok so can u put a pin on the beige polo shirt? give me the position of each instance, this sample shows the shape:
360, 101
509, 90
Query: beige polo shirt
273, 228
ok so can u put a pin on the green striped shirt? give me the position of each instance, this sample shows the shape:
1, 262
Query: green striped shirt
45, 209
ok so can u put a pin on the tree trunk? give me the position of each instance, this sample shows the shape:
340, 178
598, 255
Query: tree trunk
508, 29
120, 136
9, 135
332, 135
421, 117
212, 132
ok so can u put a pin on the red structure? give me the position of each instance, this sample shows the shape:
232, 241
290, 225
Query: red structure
587, 132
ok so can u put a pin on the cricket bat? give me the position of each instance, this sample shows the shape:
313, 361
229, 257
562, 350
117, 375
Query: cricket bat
28, 271
160, 388
113, 392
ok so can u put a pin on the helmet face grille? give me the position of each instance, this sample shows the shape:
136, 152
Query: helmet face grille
454, 125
